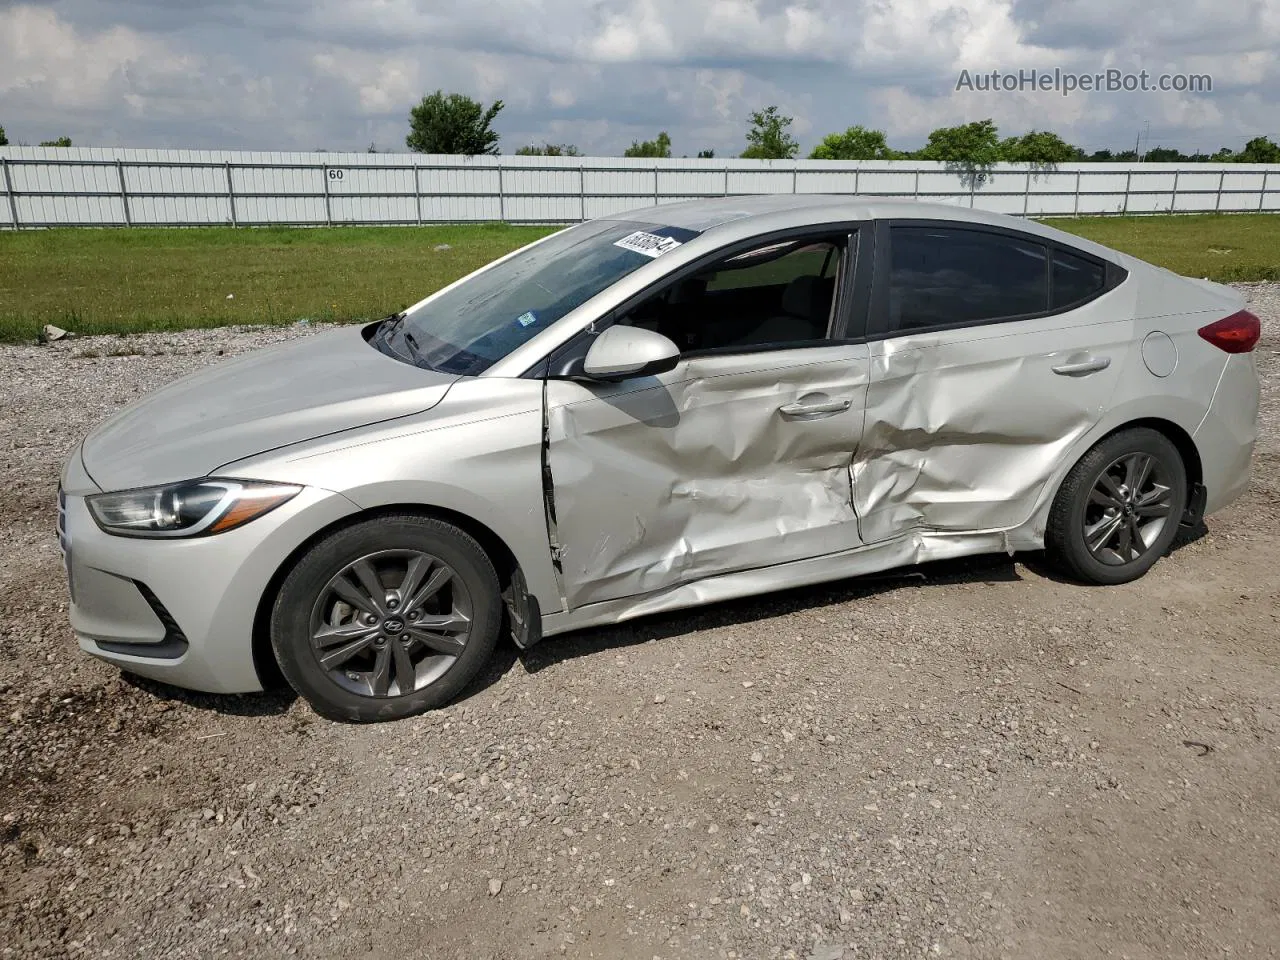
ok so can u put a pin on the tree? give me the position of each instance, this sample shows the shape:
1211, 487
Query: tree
452, 124
659, 149
706, 154
1039, 147
974, 144
856, 143
549, 150
1165, 155
768, 139
60, 142
1259, 150
4, 141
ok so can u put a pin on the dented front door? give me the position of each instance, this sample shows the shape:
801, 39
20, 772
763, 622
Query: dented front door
725, 463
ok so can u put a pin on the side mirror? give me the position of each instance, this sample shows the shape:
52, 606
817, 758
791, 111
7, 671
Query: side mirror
623, 352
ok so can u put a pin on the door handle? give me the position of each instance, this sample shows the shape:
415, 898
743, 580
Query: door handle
818, 409
1082, 368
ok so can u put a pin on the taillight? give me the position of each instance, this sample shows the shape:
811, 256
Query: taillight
1237, 333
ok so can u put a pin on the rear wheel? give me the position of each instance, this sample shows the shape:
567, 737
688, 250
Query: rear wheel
387, 618
1118, 510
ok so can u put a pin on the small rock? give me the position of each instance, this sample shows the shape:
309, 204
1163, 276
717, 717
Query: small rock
660, 698
231, 296
51, 334
495, 887
441, 246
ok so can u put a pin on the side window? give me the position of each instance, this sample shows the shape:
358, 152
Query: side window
1075, 279
943, 276
778, 293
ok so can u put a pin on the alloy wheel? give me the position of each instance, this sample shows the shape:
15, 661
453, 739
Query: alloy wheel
1128, 508
390, 623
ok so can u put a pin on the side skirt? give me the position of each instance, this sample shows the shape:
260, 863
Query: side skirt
917, 547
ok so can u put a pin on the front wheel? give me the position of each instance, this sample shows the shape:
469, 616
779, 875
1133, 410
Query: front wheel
387, 618
1118, 510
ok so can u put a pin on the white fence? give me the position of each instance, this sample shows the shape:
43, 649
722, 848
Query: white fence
57, 186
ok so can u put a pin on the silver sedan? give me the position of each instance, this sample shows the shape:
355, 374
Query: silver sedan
651, 411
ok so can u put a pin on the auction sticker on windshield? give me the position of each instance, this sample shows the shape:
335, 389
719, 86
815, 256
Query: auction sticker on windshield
649, 244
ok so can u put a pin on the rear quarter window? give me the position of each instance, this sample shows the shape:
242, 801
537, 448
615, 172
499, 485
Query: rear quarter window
1075, 279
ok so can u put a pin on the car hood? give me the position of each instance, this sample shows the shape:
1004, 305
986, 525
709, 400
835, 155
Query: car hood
265, 399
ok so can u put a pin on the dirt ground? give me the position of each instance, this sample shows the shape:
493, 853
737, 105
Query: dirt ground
961, 760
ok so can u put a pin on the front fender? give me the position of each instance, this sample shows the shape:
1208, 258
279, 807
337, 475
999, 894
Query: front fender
478, 453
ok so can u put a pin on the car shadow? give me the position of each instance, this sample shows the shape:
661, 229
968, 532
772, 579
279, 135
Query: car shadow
987, 568
1038, 564
276, 700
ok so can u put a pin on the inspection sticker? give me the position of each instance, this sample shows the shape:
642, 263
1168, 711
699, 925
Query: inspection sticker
649, 244
527, 319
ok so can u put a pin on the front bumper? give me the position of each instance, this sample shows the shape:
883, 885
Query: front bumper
182, 611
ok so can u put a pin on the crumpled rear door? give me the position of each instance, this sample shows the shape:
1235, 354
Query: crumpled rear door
725, 463
964, 427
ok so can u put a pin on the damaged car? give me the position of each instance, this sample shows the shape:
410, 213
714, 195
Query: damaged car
646, 412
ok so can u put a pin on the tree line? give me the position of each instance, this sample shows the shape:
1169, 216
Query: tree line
60, 142
454, 123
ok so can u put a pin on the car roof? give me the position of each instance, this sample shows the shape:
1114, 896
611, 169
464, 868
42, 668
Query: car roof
733, 218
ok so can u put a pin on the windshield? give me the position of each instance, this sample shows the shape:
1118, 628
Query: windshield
469, 328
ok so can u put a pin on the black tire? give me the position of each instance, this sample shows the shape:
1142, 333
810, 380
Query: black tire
1075, 507
310, 585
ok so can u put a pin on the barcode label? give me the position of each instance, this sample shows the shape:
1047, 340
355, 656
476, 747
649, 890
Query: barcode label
649, 244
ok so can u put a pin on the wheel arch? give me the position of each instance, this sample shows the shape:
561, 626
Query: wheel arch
1031, 532
499, 554
1180, 438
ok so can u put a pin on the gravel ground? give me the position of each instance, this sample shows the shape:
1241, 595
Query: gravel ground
967, 760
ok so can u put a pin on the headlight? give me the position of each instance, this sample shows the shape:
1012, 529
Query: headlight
188, 509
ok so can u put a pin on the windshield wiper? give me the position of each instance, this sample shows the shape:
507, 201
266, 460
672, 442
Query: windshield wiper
411, 342
414, 352
390, 325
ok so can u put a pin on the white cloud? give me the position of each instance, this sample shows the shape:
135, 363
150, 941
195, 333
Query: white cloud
43, 58
302, 73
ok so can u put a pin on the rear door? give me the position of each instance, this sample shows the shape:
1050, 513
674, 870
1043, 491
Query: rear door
991, 353
739, 457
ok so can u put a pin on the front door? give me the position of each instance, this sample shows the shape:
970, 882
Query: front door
736, 459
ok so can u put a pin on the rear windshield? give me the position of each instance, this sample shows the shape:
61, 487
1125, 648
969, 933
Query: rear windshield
469, 328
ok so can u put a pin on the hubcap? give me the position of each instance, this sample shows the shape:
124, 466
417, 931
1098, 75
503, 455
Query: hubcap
1128, 509
390, 623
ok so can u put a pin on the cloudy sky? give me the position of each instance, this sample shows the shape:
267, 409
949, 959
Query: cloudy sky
338, 74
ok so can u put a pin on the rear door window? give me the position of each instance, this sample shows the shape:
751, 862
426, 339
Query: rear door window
943, 276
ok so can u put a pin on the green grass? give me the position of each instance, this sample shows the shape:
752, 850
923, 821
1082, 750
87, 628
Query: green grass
1223, 247
129, 280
